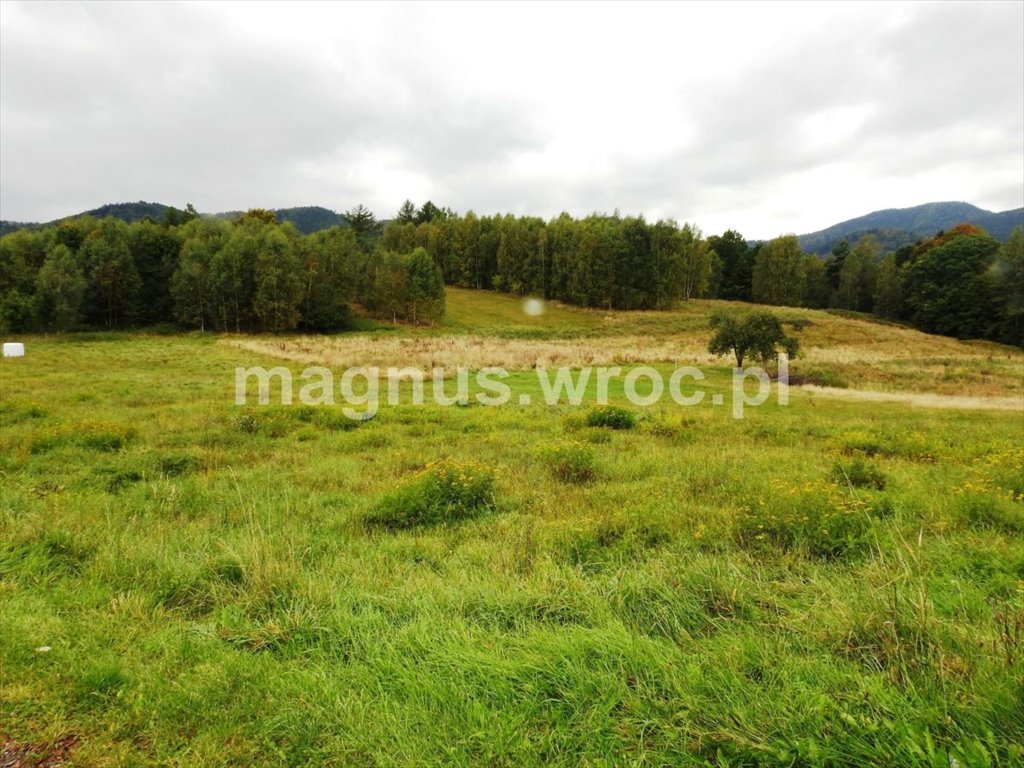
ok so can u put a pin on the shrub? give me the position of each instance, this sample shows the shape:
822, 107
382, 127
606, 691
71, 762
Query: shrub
612, 417
570, 463
859, 474
445, 492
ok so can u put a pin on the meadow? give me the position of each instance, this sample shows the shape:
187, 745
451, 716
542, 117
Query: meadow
837, 581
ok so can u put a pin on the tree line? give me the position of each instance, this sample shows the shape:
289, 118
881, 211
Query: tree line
249, 274
961, 282
257, 274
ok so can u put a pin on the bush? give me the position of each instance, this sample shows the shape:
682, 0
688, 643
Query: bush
858, 473
571, 463
612, 417
445, 492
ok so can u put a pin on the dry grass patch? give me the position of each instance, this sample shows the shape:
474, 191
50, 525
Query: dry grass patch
474, 352
489, 329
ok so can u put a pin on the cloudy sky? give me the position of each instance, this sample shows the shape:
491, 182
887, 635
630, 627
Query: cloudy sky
767, 118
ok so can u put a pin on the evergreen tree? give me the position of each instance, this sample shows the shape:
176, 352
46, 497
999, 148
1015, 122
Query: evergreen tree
406, 213
364, 224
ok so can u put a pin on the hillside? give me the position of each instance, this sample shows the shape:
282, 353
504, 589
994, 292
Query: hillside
306, 219
842, 350
894, 227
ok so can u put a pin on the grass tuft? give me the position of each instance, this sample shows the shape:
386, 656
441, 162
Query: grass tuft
445, 492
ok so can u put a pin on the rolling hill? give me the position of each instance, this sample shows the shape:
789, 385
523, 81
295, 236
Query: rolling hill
306, 219
894, 227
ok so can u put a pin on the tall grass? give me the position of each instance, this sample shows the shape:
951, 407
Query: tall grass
206, 588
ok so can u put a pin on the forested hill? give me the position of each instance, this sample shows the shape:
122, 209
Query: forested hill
892, 227
306, 219
899, 226
127, 212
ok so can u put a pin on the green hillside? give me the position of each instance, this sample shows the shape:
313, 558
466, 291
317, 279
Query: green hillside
899, 226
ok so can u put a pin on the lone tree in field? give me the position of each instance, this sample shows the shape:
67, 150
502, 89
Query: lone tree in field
756, 334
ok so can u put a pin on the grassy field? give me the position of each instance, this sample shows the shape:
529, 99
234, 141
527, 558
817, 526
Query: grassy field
185, 581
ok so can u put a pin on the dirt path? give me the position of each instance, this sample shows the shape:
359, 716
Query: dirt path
920, 400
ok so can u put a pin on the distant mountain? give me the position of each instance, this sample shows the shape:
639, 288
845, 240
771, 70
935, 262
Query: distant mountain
894, 227
311, 218
13, 226
129, 212
306, 219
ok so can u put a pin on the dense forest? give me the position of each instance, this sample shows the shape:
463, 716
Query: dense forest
250, 274
257, 272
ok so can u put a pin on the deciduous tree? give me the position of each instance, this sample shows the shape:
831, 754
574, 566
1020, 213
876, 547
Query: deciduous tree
758, 335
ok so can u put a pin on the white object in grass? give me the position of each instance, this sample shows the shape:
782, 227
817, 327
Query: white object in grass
14, 349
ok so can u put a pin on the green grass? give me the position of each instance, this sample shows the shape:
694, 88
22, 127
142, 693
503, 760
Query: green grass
216, 587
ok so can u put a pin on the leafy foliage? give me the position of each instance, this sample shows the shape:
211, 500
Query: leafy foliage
778, 276
948, 285
757, 334
257, 271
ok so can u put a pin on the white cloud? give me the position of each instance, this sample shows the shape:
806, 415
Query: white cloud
764, 117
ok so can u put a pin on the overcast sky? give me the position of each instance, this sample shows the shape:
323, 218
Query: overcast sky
766, 118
